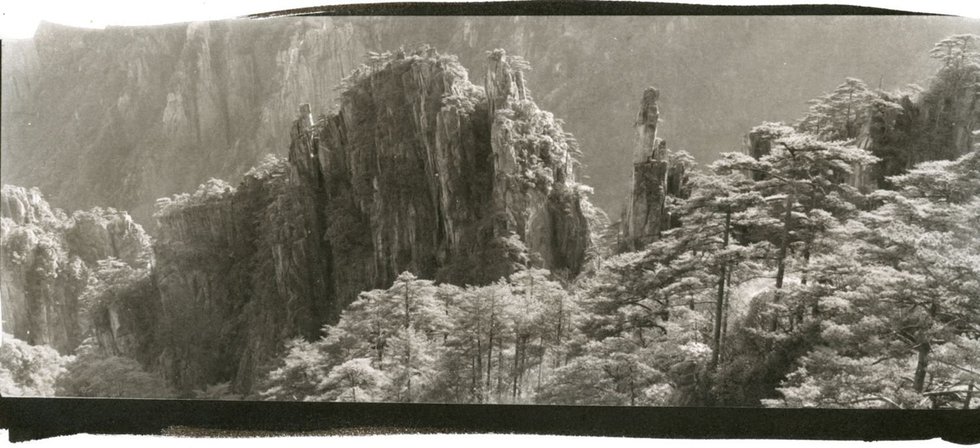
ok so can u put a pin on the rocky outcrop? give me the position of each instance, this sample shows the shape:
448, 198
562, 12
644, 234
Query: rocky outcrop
936, 124
656, 176
416, 171
48, 259
534, 188
413, 172
238, 271
22, 206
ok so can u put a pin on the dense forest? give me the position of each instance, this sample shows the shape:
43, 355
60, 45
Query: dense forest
834, 262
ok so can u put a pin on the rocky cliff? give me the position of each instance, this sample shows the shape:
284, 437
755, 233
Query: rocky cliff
168, 106
49, 260
238, 271
417, 170
939, 122
171, 106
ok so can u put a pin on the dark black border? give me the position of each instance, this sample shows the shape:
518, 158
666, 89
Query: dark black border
33, 418
575, 8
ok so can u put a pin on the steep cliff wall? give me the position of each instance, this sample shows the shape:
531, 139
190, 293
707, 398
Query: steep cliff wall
48, 259
137, 114
148, 112
238, 270
409, 174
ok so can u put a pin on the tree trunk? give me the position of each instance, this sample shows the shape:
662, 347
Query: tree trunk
969, 396
720, 302
781, 262
784, 242
476, 380
632, 387
544, 351
724, 315
478, 367
353, 388
490, 344
380, 348
490, 359
517, 353
408, 371
407, 301
500, 368
408, 346
561, 320
806, 262
920, 367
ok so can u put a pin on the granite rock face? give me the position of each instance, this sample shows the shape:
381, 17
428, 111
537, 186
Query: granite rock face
939, 123
238, 270
169, 106
410, 173
48, 259
418, 170
657, 175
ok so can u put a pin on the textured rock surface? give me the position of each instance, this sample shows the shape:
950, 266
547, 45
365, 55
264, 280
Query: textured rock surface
172, 106
237, 272
409, 174
655, 177
47, 258
938, 123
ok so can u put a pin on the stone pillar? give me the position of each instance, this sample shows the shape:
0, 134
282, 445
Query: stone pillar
645, 216
504, 80
646, 125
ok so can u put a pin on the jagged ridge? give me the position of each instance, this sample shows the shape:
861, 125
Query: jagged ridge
410, 174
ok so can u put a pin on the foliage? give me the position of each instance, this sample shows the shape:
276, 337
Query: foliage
935, 123
420, 342
95, 374
957, 51
29, 370
542, 149
220, 391
212, 190
841, 114
899, 302
270, 165
110, 281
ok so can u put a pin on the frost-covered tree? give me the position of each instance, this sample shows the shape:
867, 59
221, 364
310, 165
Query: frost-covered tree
29, 370
94, 373
803, 182
900, 301
841, 114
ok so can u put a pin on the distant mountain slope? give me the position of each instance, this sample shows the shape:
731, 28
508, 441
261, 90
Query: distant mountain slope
122, 116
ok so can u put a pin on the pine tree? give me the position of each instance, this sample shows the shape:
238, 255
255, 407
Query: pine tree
841, 114
803, 181
900, 298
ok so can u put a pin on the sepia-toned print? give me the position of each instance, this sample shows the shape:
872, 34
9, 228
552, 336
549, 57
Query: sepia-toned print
737, 211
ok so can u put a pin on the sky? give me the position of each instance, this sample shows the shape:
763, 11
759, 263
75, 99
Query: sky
19, 18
